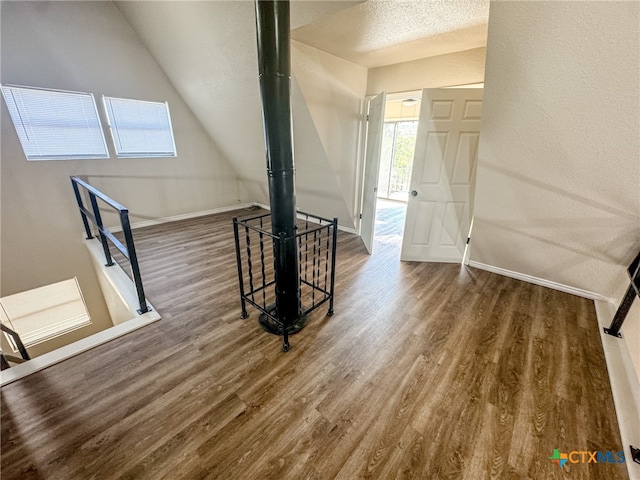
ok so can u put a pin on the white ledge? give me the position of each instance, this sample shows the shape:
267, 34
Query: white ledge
625, 386
126, 293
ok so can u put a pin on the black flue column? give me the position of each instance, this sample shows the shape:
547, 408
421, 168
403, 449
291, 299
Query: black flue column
272, 23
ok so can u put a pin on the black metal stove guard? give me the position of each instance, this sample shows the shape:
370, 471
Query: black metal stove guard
315, 239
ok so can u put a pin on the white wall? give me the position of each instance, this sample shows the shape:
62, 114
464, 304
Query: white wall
208, 50
458, 68
88, 46
559, 166
317, 189
333, 91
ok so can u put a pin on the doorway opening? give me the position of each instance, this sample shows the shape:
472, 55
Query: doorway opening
438, 200
396, 160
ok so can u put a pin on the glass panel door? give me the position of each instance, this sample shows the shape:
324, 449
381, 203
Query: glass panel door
398, 144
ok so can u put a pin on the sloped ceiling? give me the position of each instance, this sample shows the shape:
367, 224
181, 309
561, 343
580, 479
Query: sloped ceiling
208, 51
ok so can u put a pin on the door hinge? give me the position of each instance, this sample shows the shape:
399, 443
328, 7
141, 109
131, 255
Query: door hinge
367, 118
360, 216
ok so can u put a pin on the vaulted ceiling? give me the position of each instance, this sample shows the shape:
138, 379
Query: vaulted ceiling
207, 49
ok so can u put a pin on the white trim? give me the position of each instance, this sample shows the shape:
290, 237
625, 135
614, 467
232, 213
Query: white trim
202, 213
183, 216
347, 229
359, 167
540, 281
404, 95
625, 386
262, 205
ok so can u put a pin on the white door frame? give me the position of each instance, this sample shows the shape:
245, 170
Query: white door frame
363, 148
371, 170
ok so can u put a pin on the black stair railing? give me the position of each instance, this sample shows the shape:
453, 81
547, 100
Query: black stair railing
632, 292
256, 257
4, 364
106, 236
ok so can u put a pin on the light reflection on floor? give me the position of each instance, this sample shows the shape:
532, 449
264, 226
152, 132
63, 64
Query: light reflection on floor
389, 225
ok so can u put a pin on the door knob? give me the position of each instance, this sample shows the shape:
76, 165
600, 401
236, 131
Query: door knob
414, 193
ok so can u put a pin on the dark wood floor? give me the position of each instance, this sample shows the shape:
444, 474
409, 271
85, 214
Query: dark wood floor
427, 371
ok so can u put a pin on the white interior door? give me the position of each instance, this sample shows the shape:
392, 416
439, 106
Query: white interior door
375, 124
438, 212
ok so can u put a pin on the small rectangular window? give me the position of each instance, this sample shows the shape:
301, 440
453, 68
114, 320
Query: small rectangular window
140, 128
54, 124
44, 313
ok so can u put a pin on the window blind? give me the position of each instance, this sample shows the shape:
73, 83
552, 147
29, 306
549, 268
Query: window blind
55, 125
44, 313
140, 128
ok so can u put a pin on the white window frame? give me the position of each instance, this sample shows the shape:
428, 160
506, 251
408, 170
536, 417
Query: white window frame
68, 130
146, 133
44, 313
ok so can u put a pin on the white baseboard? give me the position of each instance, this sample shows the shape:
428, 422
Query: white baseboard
347, 229
183, 216
540, 281
625, 386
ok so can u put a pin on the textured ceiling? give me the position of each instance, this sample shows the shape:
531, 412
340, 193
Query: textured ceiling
306, 11
384, 32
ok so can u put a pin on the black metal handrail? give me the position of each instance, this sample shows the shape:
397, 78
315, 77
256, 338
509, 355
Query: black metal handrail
632, 292
18, 341
128, 250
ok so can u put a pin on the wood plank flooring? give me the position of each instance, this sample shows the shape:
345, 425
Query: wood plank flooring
426, 371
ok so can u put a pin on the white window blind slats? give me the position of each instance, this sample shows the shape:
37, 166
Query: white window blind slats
44, 313
55, 125
140, 128
60, 125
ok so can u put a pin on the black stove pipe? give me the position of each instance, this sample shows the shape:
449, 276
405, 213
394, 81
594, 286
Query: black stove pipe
272, 25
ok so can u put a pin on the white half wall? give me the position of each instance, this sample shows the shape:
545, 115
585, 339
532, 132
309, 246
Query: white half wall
631, 328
